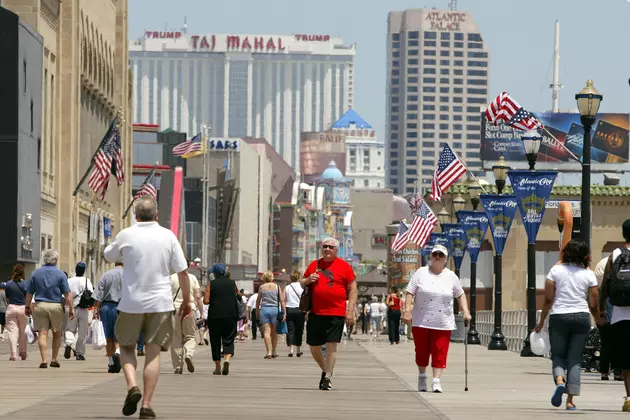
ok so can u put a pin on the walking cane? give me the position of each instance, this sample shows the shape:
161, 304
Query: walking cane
466, 356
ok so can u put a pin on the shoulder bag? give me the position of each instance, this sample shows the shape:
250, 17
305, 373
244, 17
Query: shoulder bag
86, 301
280, 316
241, 309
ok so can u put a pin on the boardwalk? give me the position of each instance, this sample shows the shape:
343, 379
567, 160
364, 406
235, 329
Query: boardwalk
373, 380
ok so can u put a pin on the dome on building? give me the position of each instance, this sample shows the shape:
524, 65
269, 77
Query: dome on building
332, 173
401, 209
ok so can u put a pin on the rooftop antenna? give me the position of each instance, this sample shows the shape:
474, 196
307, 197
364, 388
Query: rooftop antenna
185, 28
452, 4
556, 85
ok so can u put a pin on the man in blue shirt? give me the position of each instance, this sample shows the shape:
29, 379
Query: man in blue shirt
50, 286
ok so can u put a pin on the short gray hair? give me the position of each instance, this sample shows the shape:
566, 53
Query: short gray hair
51, 257
146, 209
331, 241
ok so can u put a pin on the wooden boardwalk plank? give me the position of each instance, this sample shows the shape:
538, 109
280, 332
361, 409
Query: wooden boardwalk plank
284, 388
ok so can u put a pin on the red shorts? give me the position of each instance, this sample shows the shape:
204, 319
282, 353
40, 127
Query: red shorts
434, 343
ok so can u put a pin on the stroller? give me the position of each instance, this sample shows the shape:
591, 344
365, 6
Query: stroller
590, 356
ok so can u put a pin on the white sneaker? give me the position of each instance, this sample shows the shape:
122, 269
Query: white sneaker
437, 385
422, 383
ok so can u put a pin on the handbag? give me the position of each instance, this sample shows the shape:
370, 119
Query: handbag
86, 301
306, 300
282, 328
280, 315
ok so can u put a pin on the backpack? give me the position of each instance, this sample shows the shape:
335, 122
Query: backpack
619, 280
86, 301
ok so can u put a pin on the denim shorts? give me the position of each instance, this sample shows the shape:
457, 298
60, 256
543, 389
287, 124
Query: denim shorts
268, 315
108, 315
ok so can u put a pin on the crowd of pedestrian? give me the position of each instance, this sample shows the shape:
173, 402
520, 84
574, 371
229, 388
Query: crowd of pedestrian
150, 303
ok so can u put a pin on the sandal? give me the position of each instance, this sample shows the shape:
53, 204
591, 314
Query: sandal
275, 355
290, 354
55, 364
571, 407
131, 401
268, 356
226, 368
43, 365
217, 372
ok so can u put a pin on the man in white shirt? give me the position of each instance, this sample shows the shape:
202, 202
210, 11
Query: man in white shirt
251, 309
151, 253
184, 330
76, 329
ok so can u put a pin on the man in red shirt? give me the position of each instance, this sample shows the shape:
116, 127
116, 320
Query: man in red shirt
334, 297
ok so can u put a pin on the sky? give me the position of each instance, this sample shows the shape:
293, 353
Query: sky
593, 40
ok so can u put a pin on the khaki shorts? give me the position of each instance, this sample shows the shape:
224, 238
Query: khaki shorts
48, 316
157, 328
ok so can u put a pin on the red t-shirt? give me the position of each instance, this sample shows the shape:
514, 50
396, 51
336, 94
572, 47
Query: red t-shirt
395, 304
330, 292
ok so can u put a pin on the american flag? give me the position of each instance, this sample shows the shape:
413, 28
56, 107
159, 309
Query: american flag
505, 108
189, 146
422, 225
414, 202
401, 239
448, 171
148, 187
108, 161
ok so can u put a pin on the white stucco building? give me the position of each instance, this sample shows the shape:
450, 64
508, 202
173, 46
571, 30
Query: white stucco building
365, 154
242, 85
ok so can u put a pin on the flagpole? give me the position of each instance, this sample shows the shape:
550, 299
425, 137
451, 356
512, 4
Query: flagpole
204, 203
118, 123
469, 171
562, 144
133, 200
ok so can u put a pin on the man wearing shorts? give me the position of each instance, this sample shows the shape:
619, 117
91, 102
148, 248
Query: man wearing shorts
151, 253
331, 282
107, 296
50, 286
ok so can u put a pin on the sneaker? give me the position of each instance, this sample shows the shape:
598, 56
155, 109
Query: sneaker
437, 386
67, 352
116, 366
626, 405
147, 413
321, 380
326, 384
189, 364
422, 383
80, 357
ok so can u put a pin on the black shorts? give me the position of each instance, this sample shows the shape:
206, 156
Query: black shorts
621, 332
3, 318
322, 329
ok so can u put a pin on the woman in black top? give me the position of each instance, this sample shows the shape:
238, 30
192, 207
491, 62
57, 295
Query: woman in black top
221, 295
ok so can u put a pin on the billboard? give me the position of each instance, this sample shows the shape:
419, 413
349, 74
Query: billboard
609, 141
317, 150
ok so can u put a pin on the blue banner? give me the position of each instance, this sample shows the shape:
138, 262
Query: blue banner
439, 238
426, 251
457, 242
475, 225
500, 210
107, 227
532, 190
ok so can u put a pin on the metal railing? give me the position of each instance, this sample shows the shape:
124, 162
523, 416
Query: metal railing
513, 325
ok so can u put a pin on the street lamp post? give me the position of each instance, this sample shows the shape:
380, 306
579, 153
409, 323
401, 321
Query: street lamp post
473, 336
444, 217
497, 340
588, 101
531, 141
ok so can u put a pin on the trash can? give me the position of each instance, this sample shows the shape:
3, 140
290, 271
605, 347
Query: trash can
459, 334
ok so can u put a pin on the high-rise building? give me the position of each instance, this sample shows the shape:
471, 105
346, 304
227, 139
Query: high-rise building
437, 85
271, 86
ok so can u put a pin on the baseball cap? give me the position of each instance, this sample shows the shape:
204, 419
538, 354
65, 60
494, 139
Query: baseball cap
197, 260
440, 248
218, 269
625, 229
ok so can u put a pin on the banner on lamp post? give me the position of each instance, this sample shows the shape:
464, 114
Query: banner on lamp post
475, 225
500, 210
532, 190
426, 251
456, 237
439, 238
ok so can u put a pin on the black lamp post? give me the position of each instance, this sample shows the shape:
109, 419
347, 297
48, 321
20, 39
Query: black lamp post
588, 101
473, 336
531, 141
497, 340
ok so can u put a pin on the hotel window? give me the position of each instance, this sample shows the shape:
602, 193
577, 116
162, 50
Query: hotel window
459, 45
477, 54
412, 144
429, 62
429, 35
445, 35
412, 98
412, 135
428, 80
413, 35
428, 98
428, 126
473, 72
459, 36
445, 72
429, 107
413, 43
429, 71
396, 37
431, 53
412, 62
477, 64
413, 70
412, 52
445, 53
445, 44
353, 159
445, 62
412, 107
475, 91
478, 82
430, 43
459, 63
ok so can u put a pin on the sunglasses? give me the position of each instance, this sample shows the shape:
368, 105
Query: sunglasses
328, 246
437, 255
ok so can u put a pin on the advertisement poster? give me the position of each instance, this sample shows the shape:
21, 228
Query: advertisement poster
500, 210
475, 225
456, 237
609, 139
317, 150
401, 265
532, 189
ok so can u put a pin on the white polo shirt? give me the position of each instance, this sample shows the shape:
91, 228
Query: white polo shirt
150, 253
